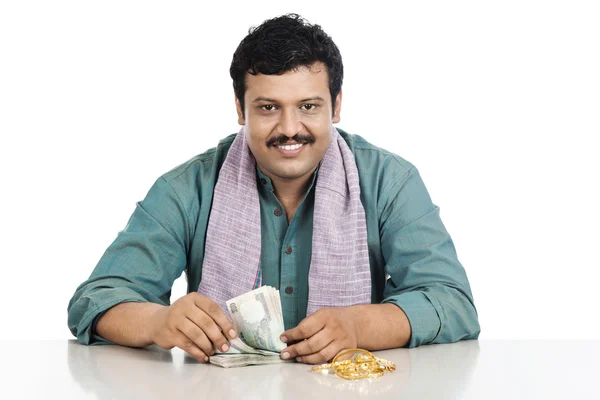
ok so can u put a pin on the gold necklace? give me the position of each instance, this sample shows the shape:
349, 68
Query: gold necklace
362, 364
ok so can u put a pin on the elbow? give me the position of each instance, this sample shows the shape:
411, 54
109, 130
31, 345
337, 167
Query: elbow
458, 317
78, 306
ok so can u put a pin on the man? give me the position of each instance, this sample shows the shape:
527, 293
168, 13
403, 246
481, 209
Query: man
345, 230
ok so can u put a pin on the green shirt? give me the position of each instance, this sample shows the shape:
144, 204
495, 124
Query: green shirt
413, 260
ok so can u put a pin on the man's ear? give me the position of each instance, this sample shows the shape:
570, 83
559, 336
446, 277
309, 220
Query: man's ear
338, 108
240, 112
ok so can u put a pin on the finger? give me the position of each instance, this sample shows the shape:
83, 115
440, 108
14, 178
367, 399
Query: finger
196, 335
322, 356
216, 313
185, 344
210, 329
313, 345
305, 329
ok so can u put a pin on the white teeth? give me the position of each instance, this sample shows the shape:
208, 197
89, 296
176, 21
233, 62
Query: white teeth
290, 147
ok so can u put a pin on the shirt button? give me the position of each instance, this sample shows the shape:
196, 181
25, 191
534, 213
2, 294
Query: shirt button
288, 250
263, 181
289, 290
278, 212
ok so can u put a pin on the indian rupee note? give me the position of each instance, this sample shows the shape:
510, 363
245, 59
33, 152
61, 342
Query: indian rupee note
258, 319
242, 360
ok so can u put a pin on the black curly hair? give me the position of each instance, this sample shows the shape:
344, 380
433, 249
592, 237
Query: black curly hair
283, 44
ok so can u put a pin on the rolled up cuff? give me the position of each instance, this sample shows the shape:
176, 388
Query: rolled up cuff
424, 319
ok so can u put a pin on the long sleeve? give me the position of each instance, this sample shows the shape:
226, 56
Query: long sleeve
426, 280
139, 266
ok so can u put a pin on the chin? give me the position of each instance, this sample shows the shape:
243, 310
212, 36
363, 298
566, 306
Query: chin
291, 174
288, 176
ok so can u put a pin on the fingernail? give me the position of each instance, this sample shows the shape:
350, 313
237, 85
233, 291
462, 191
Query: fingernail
205, 359
231, 333
285, 355
283, 339
225, 348
299, 359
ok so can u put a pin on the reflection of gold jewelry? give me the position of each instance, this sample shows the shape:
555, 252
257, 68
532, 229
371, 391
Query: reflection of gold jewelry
361, 365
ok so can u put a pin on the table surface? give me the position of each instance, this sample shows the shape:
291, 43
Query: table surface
464, 370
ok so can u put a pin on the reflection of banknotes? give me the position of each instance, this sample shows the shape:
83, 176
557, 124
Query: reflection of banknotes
258, 319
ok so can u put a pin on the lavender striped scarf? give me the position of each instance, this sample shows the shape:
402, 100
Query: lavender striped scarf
339, 274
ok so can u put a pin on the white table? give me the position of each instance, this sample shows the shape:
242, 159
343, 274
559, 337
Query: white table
464, 370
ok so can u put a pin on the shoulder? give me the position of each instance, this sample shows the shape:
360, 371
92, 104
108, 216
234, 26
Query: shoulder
195, 179
376, 162
387, 180
207, 160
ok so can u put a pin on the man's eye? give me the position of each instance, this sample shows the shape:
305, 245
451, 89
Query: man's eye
268, 107
308, 107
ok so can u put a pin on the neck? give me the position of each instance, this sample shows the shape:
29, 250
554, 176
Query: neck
291, 191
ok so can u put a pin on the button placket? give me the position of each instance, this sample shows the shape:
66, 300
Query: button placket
289, 289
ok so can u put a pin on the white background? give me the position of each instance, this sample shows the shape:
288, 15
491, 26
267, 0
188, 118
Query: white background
496, 103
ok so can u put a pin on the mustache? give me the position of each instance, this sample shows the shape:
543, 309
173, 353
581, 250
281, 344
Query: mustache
282, 140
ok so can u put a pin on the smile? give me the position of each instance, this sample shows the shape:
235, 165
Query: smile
291, 147
290, 150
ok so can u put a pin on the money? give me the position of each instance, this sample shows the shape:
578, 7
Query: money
237, 346
258, 319
242, 360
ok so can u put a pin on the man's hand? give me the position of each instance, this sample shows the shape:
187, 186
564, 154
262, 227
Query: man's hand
193, 323
321, 336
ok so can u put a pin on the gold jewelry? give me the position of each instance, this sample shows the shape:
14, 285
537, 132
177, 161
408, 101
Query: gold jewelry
363, 364
320, 367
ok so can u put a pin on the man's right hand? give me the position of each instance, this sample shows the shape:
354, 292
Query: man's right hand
193, 323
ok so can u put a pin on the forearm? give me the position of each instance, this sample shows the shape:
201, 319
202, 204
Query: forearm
380, 326
128, 324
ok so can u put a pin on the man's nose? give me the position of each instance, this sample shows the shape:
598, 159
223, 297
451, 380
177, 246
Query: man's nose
289, 124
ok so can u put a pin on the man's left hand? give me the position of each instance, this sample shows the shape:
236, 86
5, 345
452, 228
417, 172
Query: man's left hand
320, 336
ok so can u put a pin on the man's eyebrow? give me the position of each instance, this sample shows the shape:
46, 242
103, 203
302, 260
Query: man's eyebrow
260, 98
312, 99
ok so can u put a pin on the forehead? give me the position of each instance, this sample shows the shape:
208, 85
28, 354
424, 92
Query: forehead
303, 82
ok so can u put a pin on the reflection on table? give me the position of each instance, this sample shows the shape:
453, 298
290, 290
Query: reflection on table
118, 372
531, 369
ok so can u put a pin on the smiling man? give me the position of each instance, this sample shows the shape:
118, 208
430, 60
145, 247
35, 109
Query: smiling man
288, 121
347, 231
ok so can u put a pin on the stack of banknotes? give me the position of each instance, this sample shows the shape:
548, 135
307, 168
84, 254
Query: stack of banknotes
258, 320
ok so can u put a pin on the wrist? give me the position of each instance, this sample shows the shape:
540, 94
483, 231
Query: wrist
353, 316
379, 326
152, 321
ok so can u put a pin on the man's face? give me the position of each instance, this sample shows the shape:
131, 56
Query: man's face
288, 120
